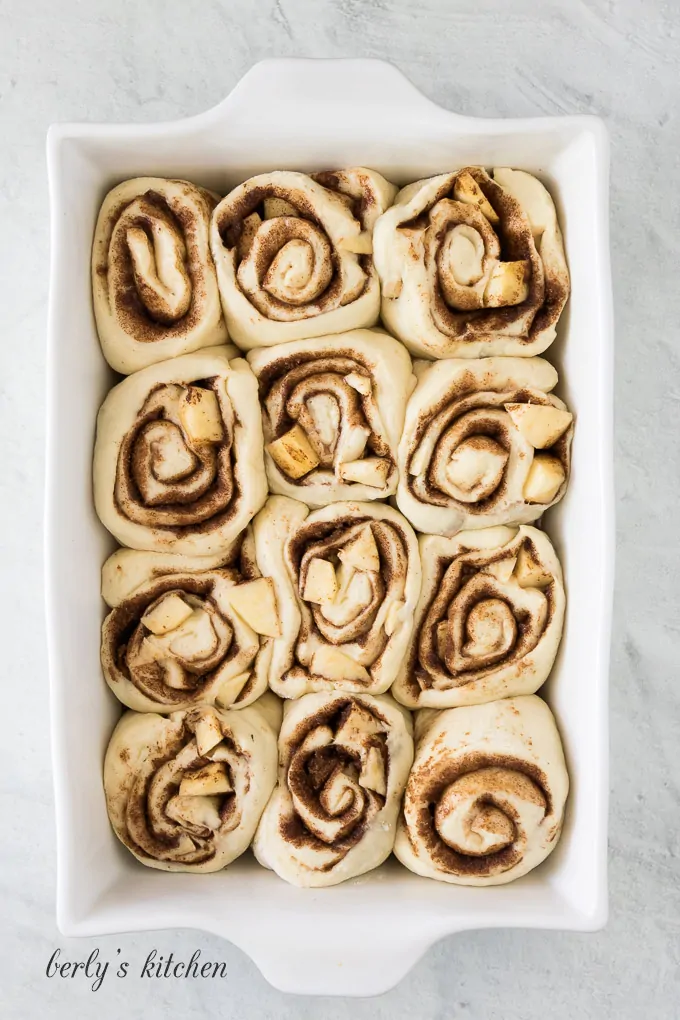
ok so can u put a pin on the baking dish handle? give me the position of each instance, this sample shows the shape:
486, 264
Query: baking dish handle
317, 962
282, 87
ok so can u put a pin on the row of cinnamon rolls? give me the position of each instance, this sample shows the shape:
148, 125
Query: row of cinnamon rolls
477, 799
464, 264
343, 598
188, 449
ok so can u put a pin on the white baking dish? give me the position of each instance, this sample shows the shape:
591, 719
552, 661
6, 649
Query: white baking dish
361, 937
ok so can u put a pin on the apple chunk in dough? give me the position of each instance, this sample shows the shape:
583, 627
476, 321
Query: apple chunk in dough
199, 413
540, 424
362, 552
293, 453
546, 477
255, 602
167, 614
321, 584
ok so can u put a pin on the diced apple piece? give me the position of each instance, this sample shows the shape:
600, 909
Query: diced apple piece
150, 650
360, 383
369, 471
274, 207
167, 614
544, 480
540, 424
335, 666
468, 191
198, 811
321, 584
207, 731
358, 728
230, 690
195, 639
200, 416
502, 569
293, 453
255, 602
344, 575
362, 552
507, 285
351, 444
529, 571
210, 780
373, 773
360, 244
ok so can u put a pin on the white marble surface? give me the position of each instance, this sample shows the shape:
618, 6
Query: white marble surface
157, 60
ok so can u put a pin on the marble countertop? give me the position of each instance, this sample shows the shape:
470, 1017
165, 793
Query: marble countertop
125, 61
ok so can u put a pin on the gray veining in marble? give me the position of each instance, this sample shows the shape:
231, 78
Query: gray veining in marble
161, 59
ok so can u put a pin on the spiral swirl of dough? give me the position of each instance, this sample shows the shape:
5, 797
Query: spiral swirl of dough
293, 254
178, 463
154, 284
467, 458
472, 265
347, 579
185, 792
489, 618
333, 411
173, 638
343, 762
485, 799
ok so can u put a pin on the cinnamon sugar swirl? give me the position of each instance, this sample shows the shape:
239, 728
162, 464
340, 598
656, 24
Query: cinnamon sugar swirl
485, 442
333, 412
472, 265
178, 462
343, 762
485, 799
154, 284
293, 254
347, 578
185, 792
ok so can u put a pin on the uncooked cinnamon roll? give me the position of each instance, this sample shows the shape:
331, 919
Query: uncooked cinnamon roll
484, 443
343, 763
185, 792
178, 461
489, 619
293, 254
485, 798
333, 412
154, 284
471, 265
347, 579
187, 629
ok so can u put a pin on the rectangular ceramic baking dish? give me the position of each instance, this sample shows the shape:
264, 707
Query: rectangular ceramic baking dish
361, 937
